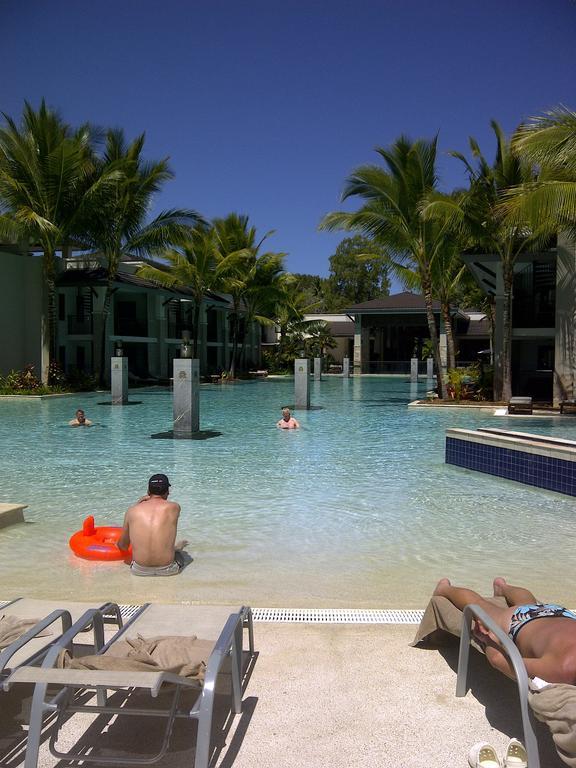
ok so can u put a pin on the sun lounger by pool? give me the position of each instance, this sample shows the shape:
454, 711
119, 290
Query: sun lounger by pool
520, 405
218, 651
567, 405
29, 628
553, 704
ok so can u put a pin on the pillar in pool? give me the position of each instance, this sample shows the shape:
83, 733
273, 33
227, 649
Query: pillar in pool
346, 367
414, 369
119, 380
317, 368
430, 368
302, 384
186, 405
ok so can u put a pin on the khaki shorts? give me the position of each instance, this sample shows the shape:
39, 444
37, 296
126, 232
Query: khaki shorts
158, 570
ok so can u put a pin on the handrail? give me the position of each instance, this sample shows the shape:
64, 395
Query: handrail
474, 611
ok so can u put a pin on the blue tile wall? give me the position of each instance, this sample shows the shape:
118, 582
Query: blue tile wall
528, 468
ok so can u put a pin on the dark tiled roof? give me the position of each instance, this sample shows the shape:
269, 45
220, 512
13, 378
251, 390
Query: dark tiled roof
345, 328
81, 277
478, 328
405, 301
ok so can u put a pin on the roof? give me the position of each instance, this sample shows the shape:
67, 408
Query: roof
98, 276
341, 328
478, 328
398, 302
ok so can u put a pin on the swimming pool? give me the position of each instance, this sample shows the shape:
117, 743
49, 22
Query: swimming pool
355, 509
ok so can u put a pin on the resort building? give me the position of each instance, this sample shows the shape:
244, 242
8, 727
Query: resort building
145, 321
543, 318
382, 335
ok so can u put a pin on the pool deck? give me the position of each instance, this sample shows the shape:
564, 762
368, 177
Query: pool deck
338, 696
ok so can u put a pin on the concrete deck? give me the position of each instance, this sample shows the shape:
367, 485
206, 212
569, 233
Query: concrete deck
338, 696
10, 514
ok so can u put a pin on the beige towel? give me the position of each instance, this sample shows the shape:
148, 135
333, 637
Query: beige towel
183, 656
12, 628
555, 705
441, 617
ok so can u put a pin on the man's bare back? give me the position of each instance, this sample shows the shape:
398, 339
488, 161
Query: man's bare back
150, 527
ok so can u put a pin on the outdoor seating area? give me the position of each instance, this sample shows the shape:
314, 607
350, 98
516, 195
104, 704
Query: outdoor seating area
290, 704
157, 650
568, 406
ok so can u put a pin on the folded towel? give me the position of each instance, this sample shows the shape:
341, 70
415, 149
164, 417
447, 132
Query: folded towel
182, 656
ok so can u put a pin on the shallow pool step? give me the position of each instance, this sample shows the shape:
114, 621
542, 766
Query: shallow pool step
337, 615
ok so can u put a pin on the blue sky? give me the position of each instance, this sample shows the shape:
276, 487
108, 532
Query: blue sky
264, 107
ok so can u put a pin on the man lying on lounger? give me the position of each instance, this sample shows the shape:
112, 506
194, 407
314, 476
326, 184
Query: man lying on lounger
547, 646
150, 527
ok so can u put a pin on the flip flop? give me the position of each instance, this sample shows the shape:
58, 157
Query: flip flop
515, 755
483, 755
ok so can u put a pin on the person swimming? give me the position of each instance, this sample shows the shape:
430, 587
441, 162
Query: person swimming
80, 420
287, 421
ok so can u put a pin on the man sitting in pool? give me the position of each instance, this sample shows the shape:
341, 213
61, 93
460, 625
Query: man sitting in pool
287, 421
548, 648
150, 526
80, 420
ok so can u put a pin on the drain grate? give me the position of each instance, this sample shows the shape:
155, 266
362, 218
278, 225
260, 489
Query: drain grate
127, 611
337, 615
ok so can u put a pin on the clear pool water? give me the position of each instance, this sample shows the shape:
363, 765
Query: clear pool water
355, 509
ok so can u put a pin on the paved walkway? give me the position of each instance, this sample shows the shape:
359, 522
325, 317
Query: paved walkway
326, 695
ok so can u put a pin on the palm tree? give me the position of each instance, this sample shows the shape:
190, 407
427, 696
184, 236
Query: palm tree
237, 243
548, 202
196, 265
48, 181
393, 197
263, 291
478, 214
117, 227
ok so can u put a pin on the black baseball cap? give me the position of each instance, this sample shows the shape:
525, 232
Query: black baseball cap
158, 484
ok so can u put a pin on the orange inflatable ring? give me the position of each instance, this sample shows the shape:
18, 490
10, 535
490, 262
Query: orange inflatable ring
93, 543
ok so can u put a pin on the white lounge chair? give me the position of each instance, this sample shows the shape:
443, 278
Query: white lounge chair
223, 626
38, 635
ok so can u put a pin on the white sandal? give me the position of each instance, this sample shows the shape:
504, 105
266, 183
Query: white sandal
515, 755
483, 755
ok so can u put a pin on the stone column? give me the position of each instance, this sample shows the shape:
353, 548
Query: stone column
346, 367
302, 384
186, 407
414, 369
119, 380
430, 368
358, 347
317, 368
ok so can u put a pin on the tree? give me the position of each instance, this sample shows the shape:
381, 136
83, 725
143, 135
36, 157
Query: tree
548, 202
197, 264
478, 215
358, 272
48, 181
116, 226
312, 290
390, 215
237, 242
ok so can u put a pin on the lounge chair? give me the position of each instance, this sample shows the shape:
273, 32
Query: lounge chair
554, 704
29, 638
567, 405
520, 405
223, 652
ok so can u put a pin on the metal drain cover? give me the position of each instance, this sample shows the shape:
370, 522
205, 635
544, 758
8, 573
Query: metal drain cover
337, 615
